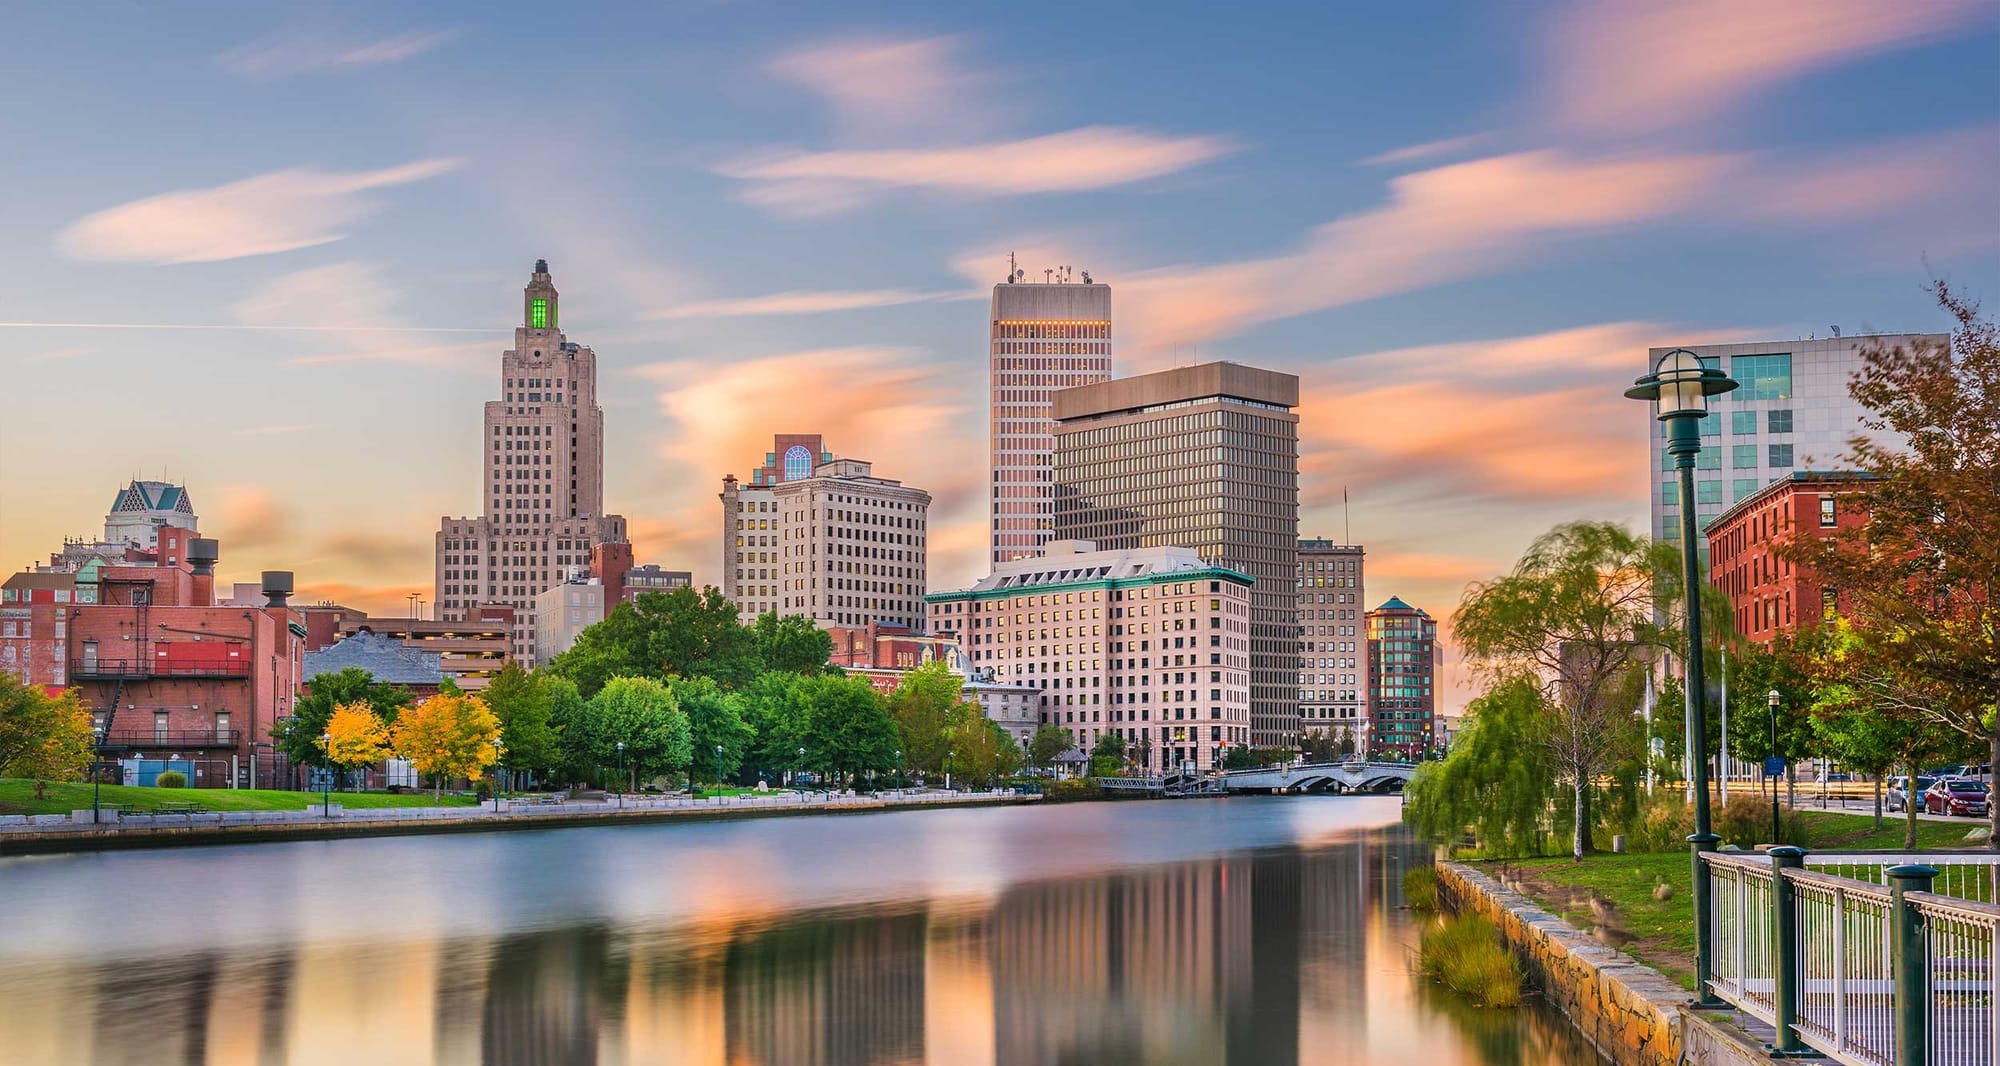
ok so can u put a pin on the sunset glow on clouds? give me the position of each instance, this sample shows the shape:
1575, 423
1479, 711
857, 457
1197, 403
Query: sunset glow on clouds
788, 220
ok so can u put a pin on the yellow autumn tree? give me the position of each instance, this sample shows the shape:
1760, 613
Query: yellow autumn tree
449, 735
358, 736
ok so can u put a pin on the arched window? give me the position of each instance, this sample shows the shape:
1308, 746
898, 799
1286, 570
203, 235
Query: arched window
798, 463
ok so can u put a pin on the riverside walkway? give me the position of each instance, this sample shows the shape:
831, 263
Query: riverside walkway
76, 831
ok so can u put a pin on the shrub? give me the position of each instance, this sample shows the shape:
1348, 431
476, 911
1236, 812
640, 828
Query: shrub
1074, 788
1661, 823
1465, 955
1745, 821
1420, 889
170, 779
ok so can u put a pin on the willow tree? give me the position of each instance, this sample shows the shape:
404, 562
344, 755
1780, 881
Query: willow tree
1919, 576
1577, 619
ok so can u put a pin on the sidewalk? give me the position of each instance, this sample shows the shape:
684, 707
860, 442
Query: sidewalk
23, 833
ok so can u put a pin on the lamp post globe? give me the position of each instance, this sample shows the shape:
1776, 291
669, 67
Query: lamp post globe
1679, 387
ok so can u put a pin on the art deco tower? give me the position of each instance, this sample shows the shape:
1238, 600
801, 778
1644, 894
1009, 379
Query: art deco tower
543, 454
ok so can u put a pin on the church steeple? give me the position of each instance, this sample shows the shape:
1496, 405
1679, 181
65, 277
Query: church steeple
539, 300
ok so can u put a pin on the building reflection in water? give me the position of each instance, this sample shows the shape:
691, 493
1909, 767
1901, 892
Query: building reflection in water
1285, 956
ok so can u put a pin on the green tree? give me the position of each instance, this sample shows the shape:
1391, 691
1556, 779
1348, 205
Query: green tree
1577, 617
792, 643
682, 632
1920, 574
1490, 782
981, 750
521, 701
924, 707
298, 736
44, 737
571, 722
1782, 667
641, 713
847, 731
1048, 742
715, 720
775, 708
1107, 758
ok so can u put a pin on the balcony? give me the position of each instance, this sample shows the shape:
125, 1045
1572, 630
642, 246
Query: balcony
163, 739
146, 669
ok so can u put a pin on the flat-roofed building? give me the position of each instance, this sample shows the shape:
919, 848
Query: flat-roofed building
1333, 641
1769, 593
1206, 458
1045, 337
1152, 644
1404, 659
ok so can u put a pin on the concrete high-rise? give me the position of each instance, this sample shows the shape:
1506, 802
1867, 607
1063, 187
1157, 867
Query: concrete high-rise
1792, 412
1333, 639
543, 453
821, 536
1045, 337
1203, 457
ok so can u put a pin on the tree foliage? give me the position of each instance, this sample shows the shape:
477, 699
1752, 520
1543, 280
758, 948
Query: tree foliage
682, 632
641, 713
298, 736
48, 738
357, 736
449, 735
791, 643
924, 706
1504, 791
1920, 575
846, 729
1576, 617
1048, 742
521, 701
716, 720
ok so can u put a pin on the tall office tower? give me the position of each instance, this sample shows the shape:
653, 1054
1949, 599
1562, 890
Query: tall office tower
1792, 412
1333, 638
1403, 662
1045, 337
543, 453
1203, 457
824, 537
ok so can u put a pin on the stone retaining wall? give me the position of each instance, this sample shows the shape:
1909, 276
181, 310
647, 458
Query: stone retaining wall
1626, 1009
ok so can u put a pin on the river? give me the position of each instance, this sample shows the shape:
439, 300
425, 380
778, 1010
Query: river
1237, 931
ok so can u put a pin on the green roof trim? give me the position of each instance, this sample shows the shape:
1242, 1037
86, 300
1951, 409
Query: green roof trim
1204, 574
1395, 604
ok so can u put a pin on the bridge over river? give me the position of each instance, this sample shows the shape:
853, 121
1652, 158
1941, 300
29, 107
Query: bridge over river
1349, 776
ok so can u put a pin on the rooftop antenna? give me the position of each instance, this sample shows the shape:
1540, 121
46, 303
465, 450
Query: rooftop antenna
1048, 275
1836, 332
1346, 516
1013, 272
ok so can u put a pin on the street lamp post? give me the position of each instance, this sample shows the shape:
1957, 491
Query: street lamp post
801, 770
621, 775
498, 780
1680, 385
326, 783
96, 773
899, 769
1772, 699
947, 769
718, 773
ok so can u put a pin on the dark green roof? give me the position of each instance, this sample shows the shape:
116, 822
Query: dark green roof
1395, 604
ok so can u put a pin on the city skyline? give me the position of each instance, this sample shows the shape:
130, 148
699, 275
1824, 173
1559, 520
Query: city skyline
1491, 273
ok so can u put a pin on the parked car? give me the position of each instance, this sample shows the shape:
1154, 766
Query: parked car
1896, 796
1959, 795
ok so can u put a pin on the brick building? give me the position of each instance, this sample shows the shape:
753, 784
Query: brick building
470, 649
172, 677
34, 620
1768, 594
1333, 638
1150, 643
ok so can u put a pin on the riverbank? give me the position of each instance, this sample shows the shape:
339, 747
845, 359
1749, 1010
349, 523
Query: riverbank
75, 832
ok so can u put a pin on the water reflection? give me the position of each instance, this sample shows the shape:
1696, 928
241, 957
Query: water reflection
1239, 931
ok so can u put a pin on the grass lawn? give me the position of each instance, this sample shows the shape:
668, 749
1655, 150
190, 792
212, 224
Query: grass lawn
17, 796
1611, 896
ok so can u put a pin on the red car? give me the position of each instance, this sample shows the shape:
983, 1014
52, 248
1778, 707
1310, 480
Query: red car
1959, 795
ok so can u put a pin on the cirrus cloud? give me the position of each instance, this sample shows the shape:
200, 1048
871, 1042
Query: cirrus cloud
1079, 160
275, 212
804, 302
284, 54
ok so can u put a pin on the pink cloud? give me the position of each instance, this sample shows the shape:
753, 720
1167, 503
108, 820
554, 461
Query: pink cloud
1629, 66
881, 87
1094, 157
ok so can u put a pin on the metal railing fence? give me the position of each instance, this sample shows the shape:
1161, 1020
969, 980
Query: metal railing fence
1874, 970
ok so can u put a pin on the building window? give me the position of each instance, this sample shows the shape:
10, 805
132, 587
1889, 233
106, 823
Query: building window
1708, 492
1826, 514
1781, 457
1743, 457
798, 463
538, 314
1743, 487
1779, 421
1764, 377
1743, 423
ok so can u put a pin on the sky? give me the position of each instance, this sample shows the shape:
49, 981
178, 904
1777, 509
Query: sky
274, 251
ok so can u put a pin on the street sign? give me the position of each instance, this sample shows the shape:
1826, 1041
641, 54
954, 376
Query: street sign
1774, 766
